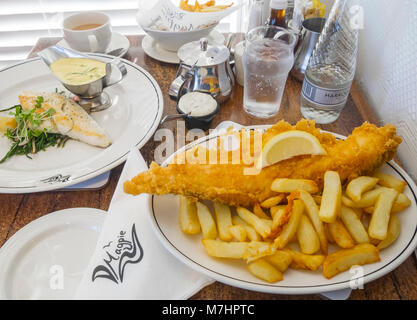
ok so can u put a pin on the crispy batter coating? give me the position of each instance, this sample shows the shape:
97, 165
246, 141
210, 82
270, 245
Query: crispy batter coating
361, 153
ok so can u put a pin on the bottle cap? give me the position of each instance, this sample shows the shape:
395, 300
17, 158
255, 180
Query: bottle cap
279, 4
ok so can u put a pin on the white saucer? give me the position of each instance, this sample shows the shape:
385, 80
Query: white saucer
154, 50
46, 259
117, 41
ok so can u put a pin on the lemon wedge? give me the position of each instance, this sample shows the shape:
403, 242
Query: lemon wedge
287, 145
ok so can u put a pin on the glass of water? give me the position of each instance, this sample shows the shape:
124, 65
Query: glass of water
268, 58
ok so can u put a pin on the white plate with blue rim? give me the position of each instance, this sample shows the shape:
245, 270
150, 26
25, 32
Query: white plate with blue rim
189, 250
130, 122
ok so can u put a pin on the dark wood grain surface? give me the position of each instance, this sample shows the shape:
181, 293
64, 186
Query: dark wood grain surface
18, 210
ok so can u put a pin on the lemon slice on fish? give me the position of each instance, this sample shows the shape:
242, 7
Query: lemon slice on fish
287, 145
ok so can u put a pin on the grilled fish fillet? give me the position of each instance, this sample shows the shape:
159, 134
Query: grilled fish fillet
361, 153
70, 119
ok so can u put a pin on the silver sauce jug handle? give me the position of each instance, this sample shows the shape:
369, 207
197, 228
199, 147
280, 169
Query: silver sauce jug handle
178, 83
109, 68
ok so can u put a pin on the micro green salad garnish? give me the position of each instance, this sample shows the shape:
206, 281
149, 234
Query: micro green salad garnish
29, 137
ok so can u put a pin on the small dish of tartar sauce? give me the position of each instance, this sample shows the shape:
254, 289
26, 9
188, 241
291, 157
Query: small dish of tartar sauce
201, 108
197, 104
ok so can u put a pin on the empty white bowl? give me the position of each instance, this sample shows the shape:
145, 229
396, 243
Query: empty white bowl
172, 41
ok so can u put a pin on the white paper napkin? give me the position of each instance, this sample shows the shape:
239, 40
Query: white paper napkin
129, 261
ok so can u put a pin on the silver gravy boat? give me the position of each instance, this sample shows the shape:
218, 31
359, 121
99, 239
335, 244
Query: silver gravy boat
92, 97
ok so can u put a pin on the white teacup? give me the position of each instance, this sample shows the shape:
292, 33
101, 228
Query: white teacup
88, 32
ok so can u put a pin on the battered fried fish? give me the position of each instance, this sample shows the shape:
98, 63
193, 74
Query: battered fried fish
361, 153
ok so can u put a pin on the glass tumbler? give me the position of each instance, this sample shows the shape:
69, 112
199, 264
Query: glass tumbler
267, 60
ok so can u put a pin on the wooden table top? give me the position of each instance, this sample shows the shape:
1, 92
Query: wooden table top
18, 210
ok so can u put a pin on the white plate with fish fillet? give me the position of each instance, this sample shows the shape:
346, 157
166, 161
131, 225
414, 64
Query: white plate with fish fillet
189, 249
130, 122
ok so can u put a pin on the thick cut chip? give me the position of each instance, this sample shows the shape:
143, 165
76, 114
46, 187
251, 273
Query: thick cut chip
291, 185
358, 186
189, 222
378, 227
208, 226
312, 211
224, 221
290, 229
265, 271
394, 230
340, 235
260, 225
354, 225
305, 261
280, 260
343, 260
307, 237
332, 197
221, 249
238, 232
272, 202
389, 181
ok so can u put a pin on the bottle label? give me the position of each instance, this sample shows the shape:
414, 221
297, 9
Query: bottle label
325, 96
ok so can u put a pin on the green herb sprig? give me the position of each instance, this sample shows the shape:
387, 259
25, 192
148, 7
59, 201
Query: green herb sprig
28, 137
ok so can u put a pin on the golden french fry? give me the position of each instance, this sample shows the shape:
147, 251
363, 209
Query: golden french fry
290, 229
401, 203
257, 210
208, 4
238, 232
328, 234
208, 226
197, 7
265, 271
189, 222
221, 249
368, 199
307, 236
389, 181
343, 260
277, 209
252, 234
313, 213
303, 261
340, 235
358, 186
359, 212
224, 221
238, 221
354, 225
280, 260
378, 227
317, 199
332, 197
291, 185
394, 230
256, 250
272, 202
261, 226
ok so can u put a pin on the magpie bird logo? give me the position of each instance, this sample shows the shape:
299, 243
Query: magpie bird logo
118, 254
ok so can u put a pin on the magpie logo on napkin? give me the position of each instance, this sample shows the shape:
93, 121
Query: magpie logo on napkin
118, 254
